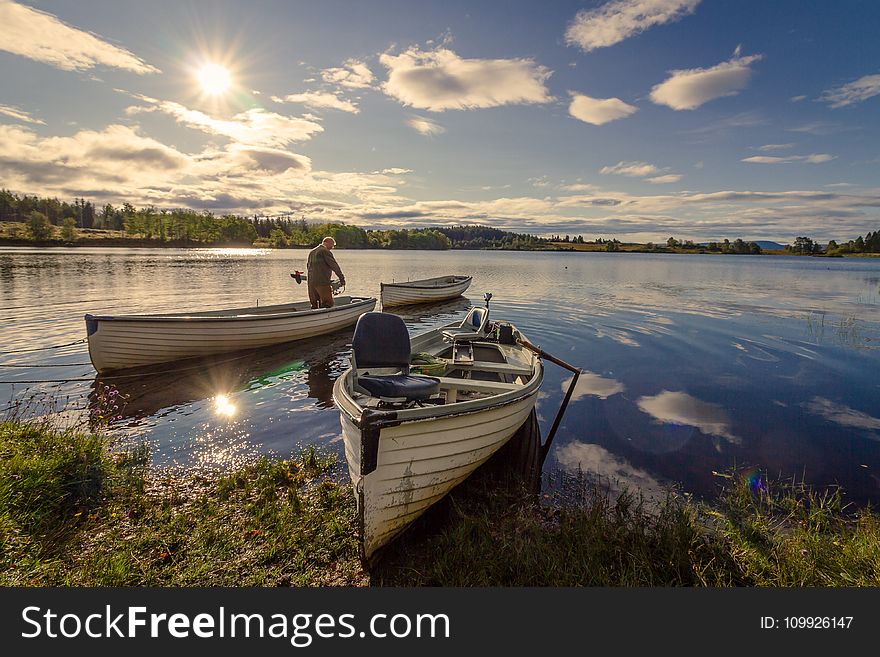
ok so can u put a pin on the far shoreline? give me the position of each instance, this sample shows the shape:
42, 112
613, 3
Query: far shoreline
139, 243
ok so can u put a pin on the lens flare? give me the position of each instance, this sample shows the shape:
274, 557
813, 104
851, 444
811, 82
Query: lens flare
755, 480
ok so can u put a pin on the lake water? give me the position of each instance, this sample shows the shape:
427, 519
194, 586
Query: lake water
693, 364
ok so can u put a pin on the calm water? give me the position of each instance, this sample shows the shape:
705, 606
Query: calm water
694, 364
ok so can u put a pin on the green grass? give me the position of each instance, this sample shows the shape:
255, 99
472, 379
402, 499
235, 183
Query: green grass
786, 535
72, 513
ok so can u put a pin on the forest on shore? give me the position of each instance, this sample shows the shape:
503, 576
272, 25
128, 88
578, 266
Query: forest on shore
33, 220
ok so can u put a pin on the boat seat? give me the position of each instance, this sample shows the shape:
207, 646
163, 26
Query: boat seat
409, 386
381, 341
472, 327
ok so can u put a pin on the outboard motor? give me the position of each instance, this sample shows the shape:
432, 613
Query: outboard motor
504, 333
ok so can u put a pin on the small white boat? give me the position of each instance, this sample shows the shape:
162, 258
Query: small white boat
427, 290
409, 439
118, 342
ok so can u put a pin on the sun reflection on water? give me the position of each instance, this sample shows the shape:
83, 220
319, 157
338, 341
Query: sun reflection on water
224, 406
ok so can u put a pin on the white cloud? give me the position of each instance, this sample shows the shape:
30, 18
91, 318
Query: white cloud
598, 111
814, 158
820, 128
425, 126
632, 169
116, 156
574, 187
319, 99
853, 92
690, 88
667, 178
255, 127
617, 20
19, 115
353, 74
44, 38
120, 164
439, 80
774, 147
680, 408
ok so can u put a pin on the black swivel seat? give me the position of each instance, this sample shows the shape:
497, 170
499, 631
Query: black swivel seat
381, 341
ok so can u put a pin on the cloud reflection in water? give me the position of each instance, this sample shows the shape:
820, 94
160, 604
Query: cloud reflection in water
593, 385
842, 414
681, 408
613, 471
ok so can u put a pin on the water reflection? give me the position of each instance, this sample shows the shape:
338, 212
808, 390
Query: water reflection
683, 354
681, 408
614, 472
224, 407
843, 415
425, 316
593, 385
225, 377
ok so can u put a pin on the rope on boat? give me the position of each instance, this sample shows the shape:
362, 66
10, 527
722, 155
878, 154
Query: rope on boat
54, 346
545, 448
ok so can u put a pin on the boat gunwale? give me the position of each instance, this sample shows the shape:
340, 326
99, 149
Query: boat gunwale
355, 303
480, 405
412, 285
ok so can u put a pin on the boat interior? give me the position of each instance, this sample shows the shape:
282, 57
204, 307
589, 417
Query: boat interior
458, 363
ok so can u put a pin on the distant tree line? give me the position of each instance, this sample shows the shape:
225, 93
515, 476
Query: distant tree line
870, 243
46, 217
485, 237
20, 208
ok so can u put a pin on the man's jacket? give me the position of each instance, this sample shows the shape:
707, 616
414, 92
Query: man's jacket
321, 264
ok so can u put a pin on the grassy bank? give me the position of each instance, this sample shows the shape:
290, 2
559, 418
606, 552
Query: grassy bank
73, 514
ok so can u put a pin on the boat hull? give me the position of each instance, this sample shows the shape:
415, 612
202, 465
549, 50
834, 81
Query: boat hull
124, 342
419, 462
403, 461
425, 291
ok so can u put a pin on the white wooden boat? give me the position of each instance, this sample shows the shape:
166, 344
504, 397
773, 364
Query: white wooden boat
410, 439
119, 342
427, 290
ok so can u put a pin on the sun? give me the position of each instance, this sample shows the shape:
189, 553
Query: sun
215, 79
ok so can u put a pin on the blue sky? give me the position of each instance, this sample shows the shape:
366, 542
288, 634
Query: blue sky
635, 119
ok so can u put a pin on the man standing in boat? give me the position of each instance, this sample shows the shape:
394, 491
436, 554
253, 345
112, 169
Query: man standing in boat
321, 264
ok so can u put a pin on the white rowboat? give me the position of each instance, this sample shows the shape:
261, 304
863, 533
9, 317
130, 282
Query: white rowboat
410, 439
118, 342
427, 290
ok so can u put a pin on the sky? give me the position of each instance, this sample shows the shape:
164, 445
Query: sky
631, 119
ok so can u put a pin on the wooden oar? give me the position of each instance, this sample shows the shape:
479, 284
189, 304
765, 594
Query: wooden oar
545, 448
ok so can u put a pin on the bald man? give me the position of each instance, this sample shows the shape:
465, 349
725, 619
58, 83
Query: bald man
321, 264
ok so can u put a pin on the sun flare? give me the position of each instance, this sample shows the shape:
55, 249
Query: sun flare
224, 406
215, 79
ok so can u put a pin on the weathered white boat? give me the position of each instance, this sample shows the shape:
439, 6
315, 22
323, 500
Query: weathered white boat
410, 439
427, 290
119, 342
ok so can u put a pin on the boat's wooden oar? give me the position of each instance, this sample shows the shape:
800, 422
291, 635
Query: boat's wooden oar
545, 448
